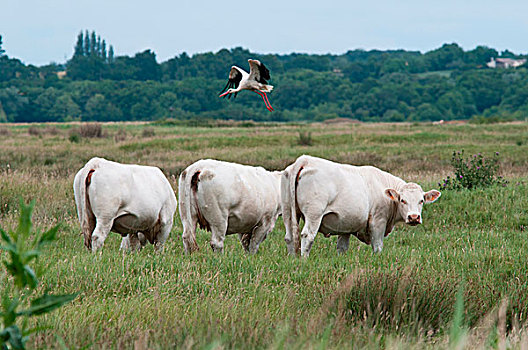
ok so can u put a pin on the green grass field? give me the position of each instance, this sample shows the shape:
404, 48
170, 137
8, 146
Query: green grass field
402, 298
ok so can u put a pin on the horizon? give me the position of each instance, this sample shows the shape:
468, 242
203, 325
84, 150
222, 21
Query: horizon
278, 27
264, 53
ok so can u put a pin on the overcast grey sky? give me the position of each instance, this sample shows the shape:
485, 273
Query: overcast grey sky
40, 32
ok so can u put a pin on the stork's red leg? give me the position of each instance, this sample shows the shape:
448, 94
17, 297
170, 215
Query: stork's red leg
258, 92
264, 99
269, 104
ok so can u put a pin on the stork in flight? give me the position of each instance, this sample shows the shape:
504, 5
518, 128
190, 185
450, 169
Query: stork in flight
256, 80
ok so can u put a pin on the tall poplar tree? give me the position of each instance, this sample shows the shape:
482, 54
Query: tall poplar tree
86, 43
79, 47
111, 54
98, 47
103, 50
2, 51
93, 43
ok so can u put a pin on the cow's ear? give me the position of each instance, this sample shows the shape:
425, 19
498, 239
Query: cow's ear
432, 196
392, 194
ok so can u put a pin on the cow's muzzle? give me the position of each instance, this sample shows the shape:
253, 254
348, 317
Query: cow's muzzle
414, 219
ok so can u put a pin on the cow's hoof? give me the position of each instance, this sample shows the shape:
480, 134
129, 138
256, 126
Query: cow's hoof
97, 243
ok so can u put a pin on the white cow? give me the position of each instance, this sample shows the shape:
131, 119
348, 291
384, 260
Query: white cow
133, 200
342, 199
226, 198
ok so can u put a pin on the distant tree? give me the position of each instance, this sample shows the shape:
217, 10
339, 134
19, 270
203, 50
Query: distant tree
426, 112
146, 65
444, 57
356, 71
86, 68
93, 44
65, 109
14, 104
2, 51
98, 51
89, 61
392, 115
452, 105
122, 68
87, 44
44, 103
142, 110
507, 54
394, 65
487, 87
103, 50
111, 54
98, 108
3, 115
480, 55
79, 46
305, 61
168, 100
12, 68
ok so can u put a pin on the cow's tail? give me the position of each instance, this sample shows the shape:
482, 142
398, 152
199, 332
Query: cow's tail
289, 181
84, 209
185, 193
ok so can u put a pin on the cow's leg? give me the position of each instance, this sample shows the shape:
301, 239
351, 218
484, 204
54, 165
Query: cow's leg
308, 233
287, 217
130, 242
161, 237
260, 233
165, 222
292, 235
245, 238
342, 243
102, 229
125, 243
189, 234
377, 232
142, 239
218, 233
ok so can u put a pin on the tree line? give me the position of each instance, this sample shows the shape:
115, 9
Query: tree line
392, 85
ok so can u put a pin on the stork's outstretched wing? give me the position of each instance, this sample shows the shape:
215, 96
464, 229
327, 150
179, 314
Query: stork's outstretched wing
258, 71
235, 76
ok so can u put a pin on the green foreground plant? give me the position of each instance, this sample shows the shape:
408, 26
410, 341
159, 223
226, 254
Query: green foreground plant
20, 283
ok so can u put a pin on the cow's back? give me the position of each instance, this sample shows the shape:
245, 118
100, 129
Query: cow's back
339, 191
131, 188
244, 193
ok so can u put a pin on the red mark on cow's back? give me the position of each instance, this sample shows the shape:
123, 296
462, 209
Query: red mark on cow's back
194, 181
202, 222
298, 176
88, 180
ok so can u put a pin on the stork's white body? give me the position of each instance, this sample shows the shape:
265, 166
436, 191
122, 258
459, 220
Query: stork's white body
249, 82
255, 80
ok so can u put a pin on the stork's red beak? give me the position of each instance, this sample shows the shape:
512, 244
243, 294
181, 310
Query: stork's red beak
225, 93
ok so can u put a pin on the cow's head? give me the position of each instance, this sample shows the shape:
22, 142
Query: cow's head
410, 200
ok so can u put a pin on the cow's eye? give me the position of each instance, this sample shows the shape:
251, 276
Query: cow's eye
403, 201
421, 202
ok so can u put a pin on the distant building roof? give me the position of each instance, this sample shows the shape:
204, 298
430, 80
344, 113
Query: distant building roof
505, 62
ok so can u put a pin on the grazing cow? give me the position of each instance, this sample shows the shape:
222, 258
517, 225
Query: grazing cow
226, 198
342, 199
133, 200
